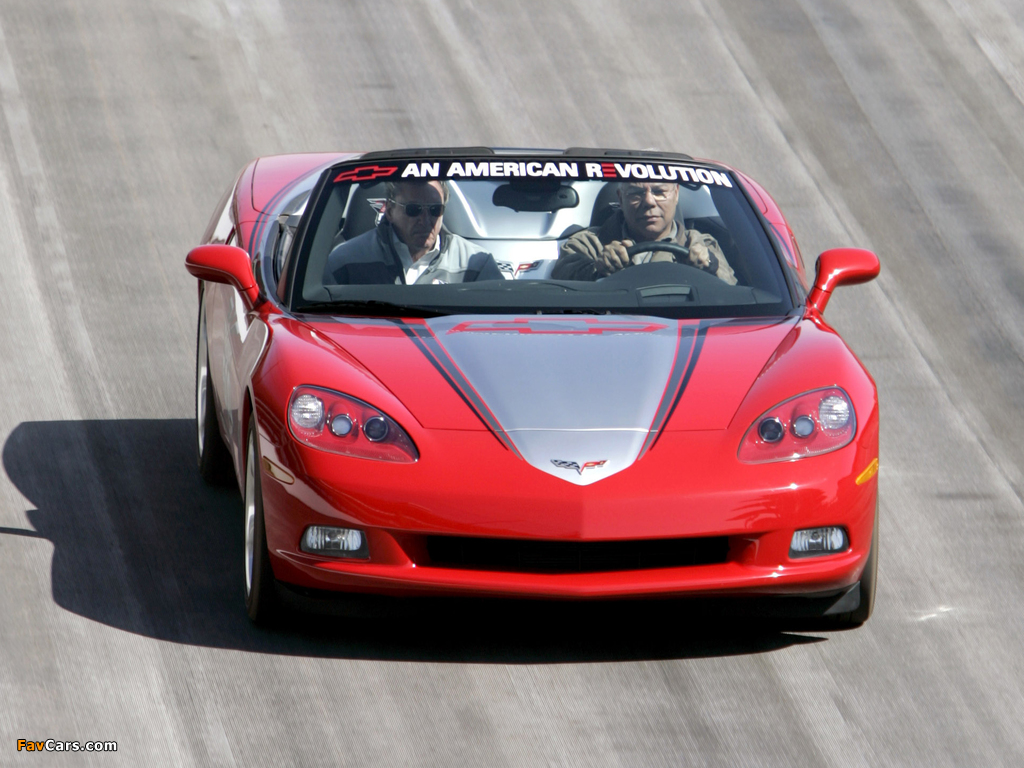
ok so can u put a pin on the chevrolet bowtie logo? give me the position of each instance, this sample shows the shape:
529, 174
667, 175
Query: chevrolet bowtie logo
366, 173
561, 464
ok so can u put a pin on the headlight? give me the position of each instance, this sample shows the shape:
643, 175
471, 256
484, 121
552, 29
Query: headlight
331, 421
806, 425
307, 411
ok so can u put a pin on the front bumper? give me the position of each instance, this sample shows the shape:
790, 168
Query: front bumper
689, 485
831, 573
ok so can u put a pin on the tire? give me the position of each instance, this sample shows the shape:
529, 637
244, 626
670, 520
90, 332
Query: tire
212, 455
868, 582
261, 597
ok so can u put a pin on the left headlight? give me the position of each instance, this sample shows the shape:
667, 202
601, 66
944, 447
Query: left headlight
810, 424
330, 421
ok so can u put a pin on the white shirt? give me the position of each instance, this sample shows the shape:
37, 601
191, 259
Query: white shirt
413, 269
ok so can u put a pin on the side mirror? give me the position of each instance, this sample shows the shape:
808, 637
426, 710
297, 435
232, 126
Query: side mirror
224, 264
840, 266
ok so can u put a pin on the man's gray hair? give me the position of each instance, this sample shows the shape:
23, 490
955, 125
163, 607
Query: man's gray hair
391, 187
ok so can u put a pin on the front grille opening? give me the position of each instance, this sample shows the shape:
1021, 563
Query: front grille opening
530, 556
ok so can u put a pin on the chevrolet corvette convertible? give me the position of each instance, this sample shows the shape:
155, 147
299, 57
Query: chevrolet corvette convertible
540, 374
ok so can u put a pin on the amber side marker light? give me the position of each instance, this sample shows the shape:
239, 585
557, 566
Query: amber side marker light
867, 474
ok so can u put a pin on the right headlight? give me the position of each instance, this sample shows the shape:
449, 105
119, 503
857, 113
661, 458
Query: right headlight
331, 421
810, 424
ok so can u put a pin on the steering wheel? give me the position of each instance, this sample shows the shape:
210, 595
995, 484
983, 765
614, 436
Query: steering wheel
668, 271
677, 251
652, 245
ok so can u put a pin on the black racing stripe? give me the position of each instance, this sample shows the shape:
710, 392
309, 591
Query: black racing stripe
414, 337
672, 387
455, 376
698, 345
431, 349
761, 321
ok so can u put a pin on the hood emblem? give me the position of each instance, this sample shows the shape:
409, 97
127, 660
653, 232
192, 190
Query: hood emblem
562, 464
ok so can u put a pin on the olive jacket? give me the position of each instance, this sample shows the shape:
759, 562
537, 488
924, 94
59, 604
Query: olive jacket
578, 256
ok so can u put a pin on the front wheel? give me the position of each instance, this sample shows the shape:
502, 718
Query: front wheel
261, 600
868, 582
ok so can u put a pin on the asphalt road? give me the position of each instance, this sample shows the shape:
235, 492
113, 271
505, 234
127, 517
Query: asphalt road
888, 124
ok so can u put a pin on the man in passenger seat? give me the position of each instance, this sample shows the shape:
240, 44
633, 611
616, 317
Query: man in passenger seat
409, 246
647, 213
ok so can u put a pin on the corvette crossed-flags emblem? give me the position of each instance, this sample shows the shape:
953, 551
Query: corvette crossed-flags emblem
562, 464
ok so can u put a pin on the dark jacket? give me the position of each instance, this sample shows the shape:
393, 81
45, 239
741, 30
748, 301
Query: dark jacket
371, 259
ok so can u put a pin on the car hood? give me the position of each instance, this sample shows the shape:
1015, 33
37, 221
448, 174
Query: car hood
578, 398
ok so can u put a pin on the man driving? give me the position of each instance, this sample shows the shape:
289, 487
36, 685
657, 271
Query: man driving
409, 245
646, 214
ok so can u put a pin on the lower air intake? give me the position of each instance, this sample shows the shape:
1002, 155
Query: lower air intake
529, 556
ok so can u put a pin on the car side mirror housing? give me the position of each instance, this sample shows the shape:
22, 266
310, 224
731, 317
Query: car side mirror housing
840, 266
227, 264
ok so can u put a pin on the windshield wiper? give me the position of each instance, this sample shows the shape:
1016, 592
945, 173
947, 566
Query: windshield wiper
372, 307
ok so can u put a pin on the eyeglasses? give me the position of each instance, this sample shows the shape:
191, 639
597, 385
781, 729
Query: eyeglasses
413, 210
635, 194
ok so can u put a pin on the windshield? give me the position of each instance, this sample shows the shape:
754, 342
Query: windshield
535, 235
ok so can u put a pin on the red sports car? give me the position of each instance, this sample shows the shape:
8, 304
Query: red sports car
551, 374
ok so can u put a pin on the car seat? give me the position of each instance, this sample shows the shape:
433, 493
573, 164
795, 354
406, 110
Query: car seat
360, 214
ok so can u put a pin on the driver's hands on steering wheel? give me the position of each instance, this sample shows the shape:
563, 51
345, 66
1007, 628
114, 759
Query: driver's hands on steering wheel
700, 255
607, 258
613, 257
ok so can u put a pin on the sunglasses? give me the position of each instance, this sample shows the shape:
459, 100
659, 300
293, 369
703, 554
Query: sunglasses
413, 210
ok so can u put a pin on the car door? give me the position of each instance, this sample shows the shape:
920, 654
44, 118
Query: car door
219, 304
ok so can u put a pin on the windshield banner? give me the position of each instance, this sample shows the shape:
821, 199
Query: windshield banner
536, 169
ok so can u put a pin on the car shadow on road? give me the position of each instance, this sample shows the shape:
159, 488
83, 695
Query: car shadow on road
141, 544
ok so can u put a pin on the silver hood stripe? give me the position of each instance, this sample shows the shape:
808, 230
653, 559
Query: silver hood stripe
682, 370
557, 391
426, 342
